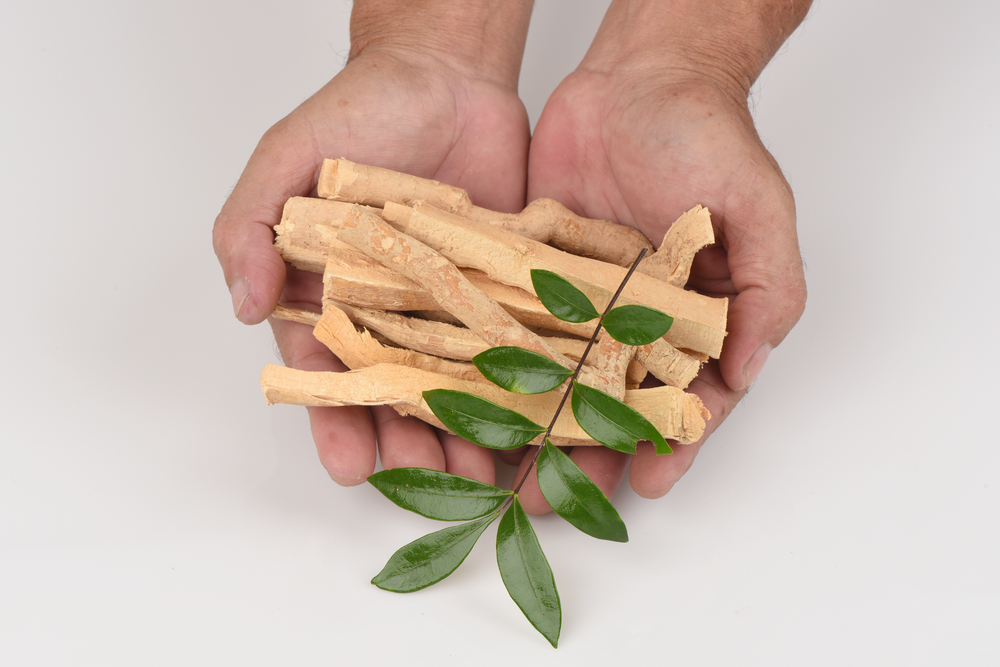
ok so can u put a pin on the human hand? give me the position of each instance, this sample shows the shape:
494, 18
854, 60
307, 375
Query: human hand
639, 138
443, 108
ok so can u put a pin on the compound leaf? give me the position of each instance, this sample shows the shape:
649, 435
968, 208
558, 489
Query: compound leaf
438, 495
431, 558
526, 573
480, 421
573, 496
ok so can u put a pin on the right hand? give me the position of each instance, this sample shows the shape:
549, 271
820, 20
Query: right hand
391, 107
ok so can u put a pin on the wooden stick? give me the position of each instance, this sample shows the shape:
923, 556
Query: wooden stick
677, 415
544, 220
295, 315
612, 358
357, 349
699, 321
671, 263
299, 236
444, 281
668, 364
439, 338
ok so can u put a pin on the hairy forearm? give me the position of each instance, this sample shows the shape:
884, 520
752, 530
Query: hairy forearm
729, 40
483, 38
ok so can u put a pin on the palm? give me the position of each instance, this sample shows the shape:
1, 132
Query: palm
410, 114
641, 155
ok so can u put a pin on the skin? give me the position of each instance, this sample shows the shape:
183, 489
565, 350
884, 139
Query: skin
435, 111
652, 122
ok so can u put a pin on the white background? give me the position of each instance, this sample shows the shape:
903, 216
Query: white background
153, 510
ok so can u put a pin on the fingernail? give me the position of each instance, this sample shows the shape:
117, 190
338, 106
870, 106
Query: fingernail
756, 364
240, 292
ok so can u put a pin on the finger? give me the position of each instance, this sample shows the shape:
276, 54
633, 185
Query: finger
652, 475
529, 495
512, 457
467, 459
283, 165
344, 437
763, 253
605, 467
406, 442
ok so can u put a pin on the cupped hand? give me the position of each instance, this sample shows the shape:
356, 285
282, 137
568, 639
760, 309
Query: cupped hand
394, 108
640, 147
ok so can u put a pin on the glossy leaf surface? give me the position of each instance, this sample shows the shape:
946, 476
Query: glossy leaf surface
526, 573
483, 422
431, 558
561, 298
636, 325
612, 423
574, 497
438, 495
520, 371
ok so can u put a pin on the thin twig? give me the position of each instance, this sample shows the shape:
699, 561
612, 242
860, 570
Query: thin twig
576, 372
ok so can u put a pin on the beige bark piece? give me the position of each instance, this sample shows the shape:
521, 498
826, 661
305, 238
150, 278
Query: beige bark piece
299, 236
699, 321
346, 181
439, 338
372, 285
668, 364
295, 315
548, 221
544, 220
357, 349
672, 262
452, 290
675, 414
612, 358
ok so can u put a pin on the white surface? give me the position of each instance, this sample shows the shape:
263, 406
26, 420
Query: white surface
153, 511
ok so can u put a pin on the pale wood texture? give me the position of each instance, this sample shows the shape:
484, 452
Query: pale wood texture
295, 315
544, 220
358, 349
452, 290
699, 321
677, 415
299, 236
671, 263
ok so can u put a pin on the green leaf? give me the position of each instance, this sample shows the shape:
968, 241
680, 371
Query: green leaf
612, 423
636, 325
574, 497
438, 495
561, 298
527, 574
520, 371
431, 558
483, 422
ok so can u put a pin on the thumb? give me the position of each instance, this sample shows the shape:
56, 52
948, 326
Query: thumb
763, 256
283, 165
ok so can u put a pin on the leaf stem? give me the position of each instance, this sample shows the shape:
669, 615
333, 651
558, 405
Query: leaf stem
583, 357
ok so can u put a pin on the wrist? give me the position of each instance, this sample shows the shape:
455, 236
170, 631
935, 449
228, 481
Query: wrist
726, 42
482, 39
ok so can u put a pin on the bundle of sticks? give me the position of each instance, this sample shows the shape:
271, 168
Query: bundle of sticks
418, 280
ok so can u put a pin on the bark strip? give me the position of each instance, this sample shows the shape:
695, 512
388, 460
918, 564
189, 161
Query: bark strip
699, 321
677, 415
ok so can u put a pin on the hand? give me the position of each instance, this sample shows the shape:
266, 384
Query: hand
640, 147
412, 110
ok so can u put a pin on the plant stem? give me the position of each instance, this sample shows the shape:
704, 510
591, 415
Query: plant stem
583, 357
